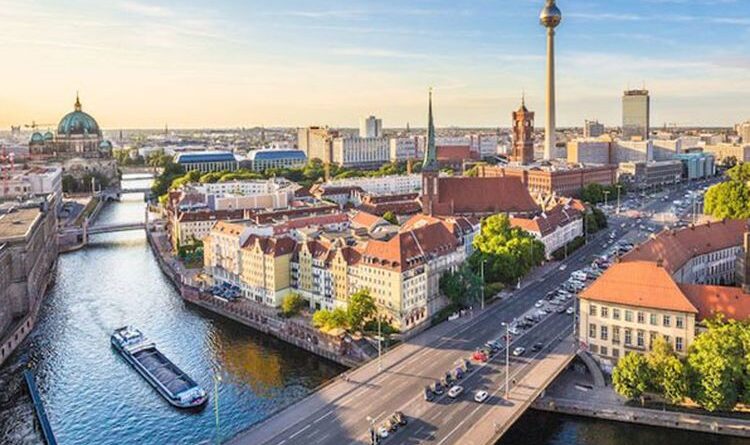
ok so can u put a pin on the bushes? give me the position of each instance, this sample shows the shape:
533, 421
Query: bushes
292, 304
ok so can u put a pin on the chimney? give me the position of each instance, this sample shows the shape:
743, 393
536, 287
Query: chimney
660, 262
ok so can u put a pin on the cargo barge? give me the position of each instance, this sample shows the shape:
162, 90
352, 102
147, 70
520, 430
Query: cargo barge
169, 380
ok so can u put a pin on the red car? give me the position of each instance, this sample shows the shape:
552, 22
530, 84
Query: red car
479, 356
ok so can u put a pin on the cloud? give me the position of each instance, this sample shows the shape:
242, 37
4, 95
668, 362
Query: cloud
144, 9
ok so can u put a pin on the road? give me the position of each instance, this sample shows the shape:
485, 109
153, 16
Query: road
399, 387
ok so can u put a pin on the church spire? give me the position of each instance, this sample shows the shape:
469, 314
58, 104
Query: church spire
430, 155
78, 103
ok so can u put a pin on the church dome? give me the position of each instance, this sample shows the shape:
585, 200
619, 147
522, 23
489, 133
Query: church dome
105, 145
48, 136
37, 138
78, 123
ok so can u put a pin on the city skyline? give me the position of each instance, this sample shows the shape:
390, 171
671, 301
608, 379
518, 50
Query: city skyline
143, 65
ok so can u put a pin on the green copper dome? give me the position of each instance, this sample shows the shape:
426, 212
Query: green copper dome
78, 123
48, 136
105, 145
37, 138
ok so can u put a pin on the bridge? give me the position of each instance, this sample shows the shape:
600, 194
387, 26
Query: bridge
103, 228
136, 190
339, 412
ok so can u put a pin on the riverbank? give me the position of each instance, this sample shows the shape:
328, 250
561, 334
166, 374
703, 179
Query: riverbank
574, 393
343, 350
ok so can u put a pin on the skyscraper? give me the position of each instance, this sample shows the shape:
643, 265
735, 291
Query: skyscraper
370, 127
592, 129
636, 115
550, 17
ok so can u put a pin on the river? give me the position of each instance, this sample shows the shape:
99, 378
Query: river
93, 397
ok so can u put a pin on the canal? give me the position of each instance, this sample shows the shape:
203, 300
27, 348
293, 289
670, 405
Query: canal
93, 397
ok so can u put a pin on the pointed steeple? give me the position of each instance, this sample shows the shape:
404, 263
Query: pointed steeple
78, 102
430, 155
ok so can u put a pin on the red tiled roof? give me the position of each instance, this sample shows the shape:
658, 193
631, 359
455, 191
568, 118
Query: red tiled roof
453, 152
271, 246
639, 284
466, 195
548, 222
411, 248
675, 248
365, 219
732, 302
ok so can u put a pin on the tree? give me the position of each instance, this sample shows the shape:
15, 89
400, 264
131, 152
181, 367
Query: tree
462, 286
740, 172
716, 366
292, 304
631, 376
361, 307
729, 199
509, 252
390, 217
325, 319
667, 371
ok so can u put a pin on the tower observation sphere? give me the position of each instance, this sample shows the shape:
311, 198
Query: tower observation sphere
550, 16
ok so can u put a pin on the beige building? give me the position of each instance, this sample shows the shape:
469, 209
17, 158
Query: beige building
722, 152
317, 142
265, 269
221, 252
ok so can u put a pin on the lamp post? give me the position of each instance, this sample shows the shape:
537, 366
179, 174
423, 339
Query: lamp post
217, 380
619, 187
380, 348
482, 287
606, 194
507, 359
373, 435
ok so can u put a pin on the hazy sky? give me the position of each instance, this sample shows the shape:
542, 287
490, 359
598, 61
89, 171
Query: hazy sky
228, 63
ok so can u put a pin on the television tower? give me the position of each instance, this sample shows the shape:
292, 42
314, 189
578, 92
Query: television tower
550, 17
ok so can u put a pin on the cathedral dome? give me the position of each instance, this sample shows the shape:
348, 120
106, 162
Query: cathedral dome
78, 123
105, 145
37, 138
48, 136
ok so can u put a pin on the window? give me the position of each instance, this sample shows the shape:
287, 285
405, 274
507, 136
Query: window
653, 319
615, 334
641, 341
603, 350
594, 348
679, 322
628, 315
628, 337
592, 310
605, 312
666, 321
678, 344
592, 330
641, 317
615, 353
604, 333
615, 313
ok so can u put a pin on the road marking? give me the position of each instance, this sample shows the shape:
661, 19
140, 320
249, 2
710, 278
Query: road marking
323, 417
300, 431
282, 442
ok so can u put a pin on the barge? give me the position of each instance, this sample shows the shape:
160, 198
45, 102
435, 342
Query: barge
169, 380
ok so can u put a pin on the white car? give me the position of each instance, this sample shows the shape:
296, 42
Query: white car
455, 391
570, 311
481, 396
519, 351
383, 432
513, 330
539, 303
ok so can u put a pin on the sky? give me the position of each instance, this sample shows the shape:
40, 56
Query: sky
231, 63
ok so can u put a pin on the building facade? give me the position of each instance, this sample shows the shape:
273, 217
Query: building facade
555, 228
207, 161
370, 127
262, 160
361, 152
592, 129
523, 136
643, 175
636, 115
590, 151
317, 142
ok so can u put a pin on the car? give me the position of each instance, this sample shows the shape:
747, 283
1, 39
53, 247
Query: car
537, 347
449, 377
514, 330
569, 311
428, 394
455, 391
563, 267
458, 374
539, 303
383, 432
438, 388
561, 310
481, 396
479, 356
400, 418
390, 424
519, 351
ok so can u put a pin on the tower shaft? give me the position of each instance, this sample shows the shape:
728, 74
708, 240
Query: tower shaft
549, 127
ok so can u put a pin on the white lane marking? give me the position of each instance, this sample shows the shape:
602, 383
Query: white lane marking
323, 417
282, 442
299, 432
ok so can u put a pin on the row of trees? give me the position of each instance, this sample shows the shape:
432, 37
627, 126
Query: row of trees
715, 374
731, 199
597, 193
360, 309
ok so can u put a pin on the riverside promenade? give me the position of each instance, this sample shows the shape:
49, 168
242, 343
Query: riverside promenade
575, 394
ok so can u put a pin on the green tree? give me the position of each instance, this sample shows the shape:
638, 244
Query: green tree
716, 366
631, 376
740, 172
668, 373
462, 287
361, 307
508, 252
730, 199
292, 304
322, 319
390, 217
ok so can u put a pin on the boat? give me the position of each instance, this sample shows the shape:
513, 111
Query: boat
169, 380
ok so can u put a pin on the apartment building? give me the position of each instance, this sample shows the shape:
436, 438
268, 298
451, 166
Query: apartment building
555, 228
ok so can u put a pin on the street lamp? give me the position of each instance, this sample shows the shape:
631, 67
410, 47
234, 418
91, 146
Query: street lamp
217, 380
619, 187
380, 348
482, 287
606, 193
507, 358
373, 435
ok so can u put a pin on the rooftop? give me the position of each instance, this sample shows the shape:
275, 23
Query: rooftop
205, 156
17, 223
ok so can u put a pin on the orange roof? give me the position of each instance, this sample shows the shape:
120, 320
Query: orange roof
548, 222
676, 247
730, 301
639, 284
228, 228
364, 219
466, 195
411, 248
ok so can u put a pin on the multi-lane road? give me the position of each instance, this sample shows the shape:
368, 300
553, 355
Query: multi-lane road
366, 393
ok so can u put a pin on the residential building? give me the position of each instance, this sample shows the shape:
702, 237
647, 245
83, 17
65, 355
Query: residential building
383, 185
317, 142
560, 179
266, 269
590, 151
361, 152
555, 228
592, 129
221, 252
404, 149
636, 115
641, 175
724, 153
370, 127
207, 161
264, 159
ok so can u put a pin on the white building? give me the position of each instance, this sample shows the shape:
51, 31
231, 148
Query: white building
405, 148
590, 151
385, 185
633, 151
370, 127
361, 152
554, 228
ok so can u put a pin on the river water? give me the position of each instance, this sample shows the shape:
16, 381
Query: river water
93, 397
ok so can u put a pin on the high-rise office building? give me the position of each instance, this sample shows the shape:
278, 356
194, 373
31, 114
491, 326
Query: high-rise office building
592, 129
636, 115
370, 127
317, 142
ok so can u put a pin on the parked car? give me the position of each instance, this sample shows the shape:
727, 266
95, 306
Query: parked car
429, 395
400, 418
479, 356
569, 311
537, 347
455, 391
383, 432
519, 351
